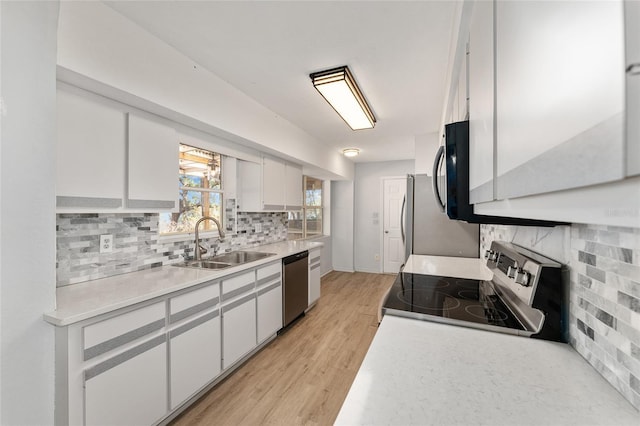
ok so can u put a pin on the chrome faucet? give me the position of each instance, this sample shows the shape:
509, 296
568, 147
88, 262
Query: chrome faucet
199, 248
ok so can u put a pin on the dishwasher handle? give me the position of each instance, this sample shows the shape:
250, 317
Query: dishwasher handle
295, 257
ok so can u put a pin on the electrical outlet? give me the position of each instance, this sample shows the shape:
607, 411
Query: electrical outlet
106, 243
376, 257
257, 227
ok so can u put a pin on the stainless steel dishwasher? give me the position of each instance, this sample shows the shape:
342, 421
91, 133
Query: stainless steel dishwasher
295, 294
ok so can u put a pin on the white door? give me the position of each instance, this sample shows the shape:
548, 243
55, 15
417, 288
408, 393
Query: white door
393, 246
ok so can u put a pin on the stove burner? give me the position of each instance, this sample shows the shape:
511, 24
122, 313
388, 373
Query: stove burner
441, 283
492, 314
468, 294
433, 301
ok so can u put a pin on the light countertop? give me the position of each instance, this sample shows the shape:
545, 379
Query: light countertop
78, 302
460, 267
425, 373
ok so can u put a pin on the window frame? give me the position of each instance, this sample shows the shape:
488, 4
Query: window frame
206, 232
306, 207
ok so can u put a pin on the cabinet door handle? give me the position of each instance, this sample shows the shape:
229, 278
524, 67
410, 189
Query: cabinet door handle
633, 69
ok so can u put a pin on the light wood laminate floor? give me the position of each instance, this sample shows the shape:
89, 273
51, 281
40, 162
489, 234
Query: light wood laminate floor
304, 375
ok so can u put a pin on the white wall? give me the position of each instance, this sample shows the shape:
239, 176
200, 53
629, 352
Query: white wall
342, 225
368, 213
426, 146
99, 43
27, 210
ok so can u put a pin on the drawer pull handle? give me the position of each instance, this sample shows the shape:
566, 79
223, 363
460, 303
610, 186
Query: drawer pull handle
633, 69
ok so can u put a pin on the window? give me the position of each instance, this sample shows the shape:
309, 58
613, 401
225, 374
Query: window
308, 222
201, 192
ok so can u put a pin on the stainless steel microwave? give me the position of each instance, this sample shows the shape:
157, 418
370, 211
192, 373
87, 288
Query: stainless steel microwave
452, 192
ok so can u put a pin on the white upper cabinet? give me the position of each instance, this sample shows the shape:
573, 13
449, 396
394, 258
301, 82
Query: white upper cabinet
271, 186
152, 165
293, 187
481, 102
560, 95
90, 151
111, 159
632, 22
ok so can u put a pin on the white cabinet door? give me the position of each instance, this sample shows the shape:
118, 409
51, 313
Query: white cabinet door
129, 389
314, 275
195, 342
238, 329
632, 21
152, 164
293, 187
269, 311
269, 290
238, 317
249, 186
128, 384
273, 184
90, 151
560, 95
481, 103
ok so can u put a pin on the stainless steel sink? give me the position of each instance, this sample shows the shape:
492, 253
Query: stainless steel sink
225, 260
239, 257
203, 264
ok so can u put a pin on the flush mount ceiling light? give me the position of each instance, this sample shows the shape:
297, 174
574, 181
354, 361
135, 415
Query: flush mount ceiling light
350, 152
338, 87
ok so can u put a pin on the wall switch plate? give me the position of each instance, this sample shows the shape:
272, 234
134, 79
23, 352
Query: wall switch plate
257, 227
106, 243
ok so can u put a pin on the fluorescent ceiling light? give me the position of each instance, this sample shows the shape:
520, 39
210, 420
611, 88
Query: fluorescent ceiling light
338, 87
350, 152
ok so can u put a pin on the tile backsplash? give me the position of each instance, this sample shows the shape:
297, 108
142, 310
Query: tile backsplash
137, 245
604, 292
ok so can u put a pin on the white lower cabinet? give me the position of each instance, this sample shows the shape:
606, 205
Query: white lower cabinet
124, 369
239, 329
194, 339
139, 365
133, 392
238, 317
269, 289
314, 275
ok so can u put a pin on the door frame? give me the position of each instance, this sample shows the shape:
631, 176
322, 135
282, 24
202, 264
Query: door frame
381, 219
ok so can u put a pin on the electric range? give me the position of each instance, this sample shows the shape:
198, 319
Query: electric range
526, 296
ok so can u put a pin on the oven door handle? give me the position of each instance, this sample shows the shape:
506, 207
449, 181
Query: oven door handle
434, 181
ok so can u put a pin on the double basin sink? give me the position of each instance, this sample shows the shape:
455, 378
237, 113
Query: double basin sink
225, 260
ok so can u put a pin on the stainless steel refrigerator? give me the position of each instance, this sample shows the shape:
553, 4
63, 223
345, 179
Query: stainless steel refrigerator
428, 231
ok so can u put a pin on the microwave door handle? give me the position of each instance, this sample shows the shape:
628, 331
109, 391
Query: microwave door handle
434, 181
402, 209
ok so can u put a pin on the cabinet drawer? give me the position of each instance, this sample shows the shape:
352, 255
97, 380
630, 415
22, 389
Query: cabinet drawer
269, 274
109, 334
193, 302
237, 285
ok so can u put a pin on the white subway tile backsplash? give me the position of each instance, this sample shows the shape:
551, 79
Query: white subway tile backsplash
604, 292
137, 245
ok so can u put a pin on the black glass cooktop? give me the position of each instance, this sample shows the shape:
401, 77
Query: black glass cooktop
446, 299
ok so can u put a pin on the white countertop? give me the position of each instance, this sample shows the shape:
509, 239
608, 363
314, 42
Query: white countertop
425, 373
460, 267
78, 302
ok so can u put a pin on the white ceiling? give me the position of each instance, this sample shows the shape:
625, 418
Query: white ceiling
398, 52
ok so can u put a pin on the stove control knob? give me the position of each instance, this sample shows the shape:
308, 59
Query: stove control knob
488, 253
522, 277
494, 256
511, 272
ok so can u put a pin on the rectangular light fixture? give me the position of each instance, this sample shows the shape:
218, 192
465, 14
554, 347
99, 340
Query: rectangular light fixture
338, 87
